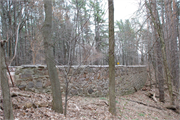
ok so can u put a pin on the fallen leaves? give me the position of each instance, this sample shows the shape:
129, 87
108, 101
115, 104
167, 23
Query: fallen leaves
29, 105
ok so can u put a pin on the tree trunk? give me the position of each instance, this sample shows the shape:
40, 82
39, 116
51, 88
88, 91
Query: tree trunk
159, 60
174, 47
158, 27
167, 30
7, 104
112, 97
175, 56
160, 71
97, 36
48, 45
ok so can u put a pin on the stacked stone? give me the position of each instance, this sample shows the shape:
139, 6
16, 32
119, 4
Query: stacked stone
90, 81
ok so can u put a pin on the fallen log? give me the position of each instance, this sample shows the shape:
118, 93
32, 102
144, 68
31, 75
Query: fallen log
159, 108
15, 94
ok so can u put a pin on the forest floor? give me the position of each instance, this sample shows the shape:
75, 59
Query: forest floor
137, 106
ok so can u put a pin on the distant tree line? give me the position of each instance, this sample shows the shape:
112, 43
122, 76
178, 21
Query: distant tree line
80, 33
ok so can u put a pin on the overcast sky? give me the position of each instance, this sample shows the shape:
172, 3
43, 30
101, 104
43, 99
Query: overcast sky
124, 9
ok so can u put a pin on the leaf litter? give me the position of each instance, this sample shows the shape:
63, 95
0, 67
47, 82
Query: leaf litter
29, 105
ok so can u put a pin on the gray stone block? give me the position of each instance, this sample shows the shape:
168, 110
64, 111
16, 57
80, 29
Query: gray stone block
89, 80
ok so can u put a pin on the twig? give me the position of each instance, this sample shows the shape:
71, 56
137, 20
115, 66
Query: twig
106, 103
154, 97
9, 74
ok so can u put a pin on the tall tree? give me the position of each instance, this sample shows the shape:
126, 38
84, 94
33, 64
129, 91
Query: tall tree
126, 43
52, 70
156, 24
174, 47
159, 57
98, 24
7, 104
112, 97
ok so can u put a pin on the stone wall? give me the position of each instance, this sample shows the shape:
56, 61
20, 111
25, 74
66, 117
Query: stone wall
84, 80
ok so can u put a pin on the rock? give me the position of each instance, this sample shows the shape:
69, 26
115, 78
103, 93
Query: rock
28, 66
25, 76
30, 85
39, 84
22, 87
90, 91
42, 66
29, 105
42, 104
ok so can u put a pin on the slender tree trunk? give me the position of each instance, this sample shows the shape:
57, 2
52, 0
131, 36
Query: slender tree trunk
175, 55
97, 36
159, 60
157, 26
174, 47
7, 104
160, 71
53, 75
167, 30
172, 34
149, 53
112, 97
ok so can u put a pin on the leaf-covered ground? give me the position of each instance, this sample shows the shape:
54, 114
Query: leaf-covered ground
28, 105
137, 106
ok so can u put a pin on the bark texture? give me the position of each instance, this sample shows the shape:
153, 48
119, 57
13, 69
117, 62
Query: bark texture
158, 27
7, 104
48, 45
112, 103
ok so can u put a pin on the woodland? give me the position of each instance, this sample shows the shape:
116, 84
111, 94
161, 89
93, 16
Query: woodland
77, 32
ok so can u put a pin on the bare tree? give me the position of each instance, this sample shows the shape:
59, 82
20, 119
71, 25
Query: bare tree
48, 44
158, 58
151, 6
7, 104
112, 97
